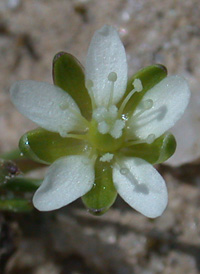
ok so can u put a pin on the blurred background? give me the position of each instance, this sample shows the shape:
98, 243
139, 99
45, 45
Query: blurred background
70, 241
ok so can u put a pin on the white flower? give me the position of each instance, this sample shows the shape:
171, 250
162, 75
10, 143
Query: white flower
70, 177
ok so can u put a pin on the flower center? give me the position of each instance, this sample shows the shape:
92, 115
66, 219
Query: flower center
107, 122
106, 127
104, 142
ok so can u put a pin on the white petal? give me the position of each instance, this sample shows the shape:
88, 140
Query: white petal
45, 105
170, 98
106, 54
141, 186
187, 133
66, 180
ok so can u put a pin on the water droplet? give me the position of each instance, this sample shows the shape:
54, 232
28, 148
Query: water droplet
124, 171
148, 104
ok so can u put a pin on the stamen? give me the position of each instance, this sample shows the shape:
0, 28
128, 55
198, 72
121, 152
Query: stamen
147, 105
116, 131
150, 138
126, 172
113, 112
65, 105
99, 114
137, 88
103, 127
89, 86
112, 77
64, 134
137, 186
135, 142
137, 85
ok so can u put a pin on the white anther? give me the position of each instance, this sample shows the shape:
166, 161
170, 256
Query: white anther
150, 138
103, 127
137, 88
62, 132
112, 77
89, 84
113, 111
108, 122
106, 157
148, 104
99, 114
138, 85
116, 131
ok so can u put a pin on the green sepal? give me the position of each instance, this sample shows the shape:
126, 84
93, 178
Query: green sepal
149, 76
15, 205
103, 194
45, 147
157, 152
68, 74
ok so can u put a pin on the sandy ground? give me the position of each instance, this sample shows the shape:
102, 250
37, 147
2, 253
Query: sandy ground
122, 241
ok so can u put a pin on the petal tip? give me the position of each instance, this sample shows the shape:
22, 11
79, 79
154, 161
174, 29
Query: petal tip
106, 30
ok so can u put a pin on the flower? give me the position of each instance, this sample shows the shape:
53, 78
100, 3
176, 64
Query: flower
105, 132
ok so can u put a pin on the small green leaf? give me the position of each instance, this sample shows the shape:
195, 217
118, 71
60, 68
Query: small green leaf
15, 205
103, 194
68, 74
149, 76
157, 152
45, 147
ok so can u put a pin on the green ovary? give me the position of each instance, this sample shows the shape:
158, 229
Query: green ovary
103, 142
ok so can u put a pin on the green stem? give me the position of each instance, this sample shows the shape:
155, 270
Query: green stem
12, 155
23, 163
22, 184
15, 205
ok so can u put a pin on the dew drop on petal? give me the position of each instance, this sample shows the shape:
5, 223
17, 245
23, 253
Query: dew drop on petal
148, 104
124, 171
